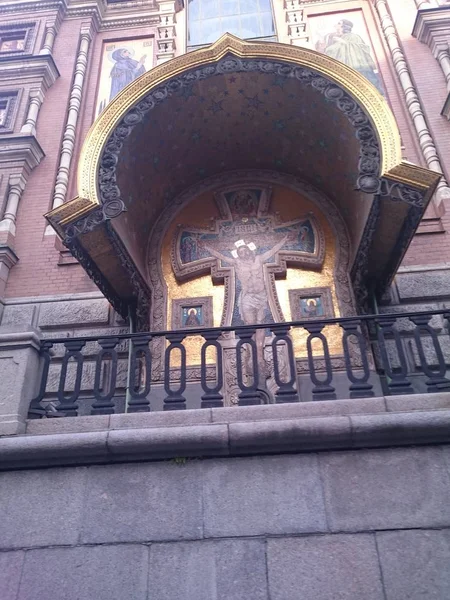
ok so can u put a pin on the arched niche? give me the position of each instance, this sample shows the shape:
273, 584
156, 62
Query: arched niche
238, 105
284, 201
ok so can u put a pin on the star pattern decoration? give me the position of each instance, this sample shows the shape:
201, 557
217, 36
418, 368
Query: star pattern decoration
279, 82
216, 106
254, 102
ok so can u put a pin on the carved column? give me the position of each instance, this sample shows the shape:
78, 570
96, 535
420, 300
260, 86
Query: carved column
8, 223
49, 39
68, 143
412, 100
36, 99
443, 57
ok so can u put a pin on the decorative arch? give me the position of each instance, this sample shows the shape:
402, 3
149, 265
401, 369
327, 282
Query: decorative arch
95, 224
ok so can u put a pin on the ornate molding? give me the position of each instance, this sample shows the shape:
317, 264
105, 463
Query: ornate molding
426, 141
360, 266
68, 142
32, 6
23, 149
432, 27
142, 293
29, 69
77, 251
141, 95
369, 162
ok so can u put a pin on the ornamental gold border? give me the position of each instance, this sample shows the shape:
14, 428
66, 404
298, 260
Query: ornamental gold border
370, 100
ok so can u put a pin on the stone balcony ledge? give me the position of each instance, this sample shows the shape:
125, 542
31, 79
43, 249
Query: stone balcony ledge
235, 431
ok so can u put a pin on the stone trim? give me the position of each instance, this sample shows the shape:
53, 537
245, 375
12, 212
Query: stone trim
30, 69
29, 39
235, 431
68, 141
426, 141
24, 149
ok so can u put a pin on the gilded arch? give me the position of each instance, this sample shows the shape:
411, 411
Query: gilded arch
99, 200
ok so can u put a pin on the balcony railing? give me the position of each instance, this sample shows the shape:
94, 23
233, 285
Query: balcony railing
319, 359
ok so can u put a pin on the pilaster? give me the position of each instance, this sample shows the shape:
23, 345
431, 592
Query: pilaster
432, 27
69, 136
19, 373
425, 138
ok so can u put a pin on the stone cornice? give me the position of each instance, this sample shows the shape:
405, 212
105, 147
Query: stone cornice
20, 149
37, 6
108, 15
29, 68
115, 16
432, 26
236, 431
446, 109
8, 257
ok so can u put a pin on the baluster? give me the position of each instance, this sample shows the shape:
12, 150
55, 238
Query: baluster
249, 393
359, 388
69, 405
212, 396
36, 409
322, 390
436, 381
397, 382
104, 404
286, 391
139, 379
175, 399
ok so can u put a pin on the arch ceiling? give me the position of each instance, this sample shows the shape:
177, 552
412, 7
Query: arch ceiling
240, 105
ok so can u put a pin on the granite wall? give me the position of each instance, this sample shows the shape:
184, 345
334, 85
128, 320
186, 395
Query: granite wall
353, 525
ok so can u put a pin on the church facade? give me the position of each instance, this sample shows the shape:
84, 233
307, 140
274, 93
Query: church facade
238, 206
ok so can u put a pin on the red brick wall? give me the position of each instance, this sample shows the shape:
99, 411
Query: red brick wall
432, 248
37, 272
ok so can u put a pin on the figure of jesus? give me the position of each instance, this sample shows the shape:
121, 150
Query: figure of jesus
249, 269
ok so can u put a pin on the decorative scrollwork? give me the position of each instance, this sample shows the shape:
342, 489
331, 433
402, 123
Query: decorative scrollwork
369, 162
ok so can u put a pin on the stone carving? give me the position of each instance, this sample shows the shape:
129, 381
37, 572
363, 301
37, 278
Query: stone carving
68, 142
91, 269
360, 265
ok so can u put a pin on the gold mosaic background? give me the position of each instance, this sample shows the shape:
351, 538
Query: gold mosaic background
288, 205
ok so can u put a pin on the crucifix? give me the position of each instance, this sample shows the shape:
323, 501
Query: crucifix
246, 248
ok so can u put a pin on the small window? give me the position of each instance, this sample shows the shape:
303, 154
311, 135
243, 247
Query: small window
247, 19
3, 111
8, 104
12, 41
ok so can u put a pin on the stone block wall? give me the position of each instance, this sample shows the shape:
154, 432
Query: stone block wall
415, 289
367, 524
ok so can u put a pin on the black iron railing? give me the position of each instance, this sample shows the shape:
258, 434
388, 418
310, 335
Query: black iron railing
318, 359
